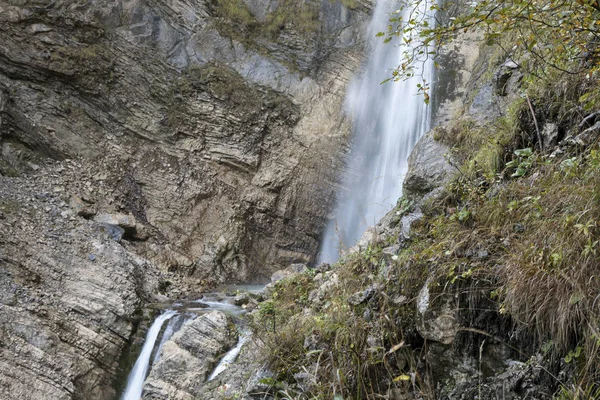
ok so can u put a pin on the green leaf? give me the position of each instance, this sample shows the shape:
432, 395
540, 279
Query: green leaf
546, 347
519, 172
569, 357
526, 152
585, 97
576, 298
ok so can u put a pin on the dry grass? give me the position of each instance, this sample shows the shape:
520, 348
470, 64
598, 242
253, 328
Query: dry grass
540, 236
523, 254
520, 254
338, 346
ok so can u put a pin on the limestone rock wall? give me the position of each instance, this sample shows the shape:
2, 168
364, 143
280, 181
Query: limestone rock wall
69, 293
223, 142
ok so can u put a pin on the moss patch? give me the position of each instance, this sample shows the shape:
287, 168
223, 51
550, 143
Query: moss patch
7, 170
9, 206
239, 23
224, 85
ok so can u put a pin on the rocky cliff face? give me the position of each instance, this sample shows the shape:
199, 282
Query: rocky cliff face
217, 121
69, 293
145, 142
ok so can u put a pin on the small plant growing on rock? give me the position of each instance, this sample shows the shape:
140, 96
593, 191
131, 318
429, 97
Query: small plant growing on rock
523, 163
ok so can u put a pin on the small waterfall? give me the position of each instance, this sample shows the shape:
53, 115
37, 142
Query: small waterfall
388, 120
172, 327
230, 356
178, 314
136, 378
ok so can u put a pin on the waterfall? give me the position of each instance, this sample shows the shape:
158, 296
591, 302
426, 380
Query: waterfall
173, 326
388, 120
136, 378
231, 355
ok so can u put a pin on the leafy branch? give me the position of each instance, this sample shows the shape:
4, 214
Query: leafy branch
547, 35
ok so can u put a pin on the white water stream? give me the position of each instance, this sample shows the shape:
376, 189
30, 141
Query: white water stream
388, 120
231, 355
136, 378
176, 318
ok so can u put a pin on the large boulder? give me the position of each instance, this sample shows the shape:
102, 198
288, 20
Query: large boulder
429, 167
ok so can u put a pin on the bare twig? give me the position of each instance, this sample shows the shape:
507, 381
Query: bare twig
537, 128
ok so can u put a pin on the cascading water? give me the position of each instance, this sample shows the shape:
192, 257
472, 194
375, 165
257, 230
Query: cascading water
136, 378
388, 120
173, 326
231, 355
178, 315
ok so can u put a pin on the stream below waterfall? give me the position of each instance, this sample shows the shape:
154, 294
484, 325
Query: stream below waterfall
171, 319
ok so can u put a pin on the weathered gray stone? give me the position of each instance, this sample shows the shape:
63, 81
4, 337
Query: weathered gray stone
290, 271
68, 297
438, 319
516, 381
81, 207
115, 232
506, 77
485, 106
363, 295
428, 168
407, 221
125, 221
328, 282
241, 299
261, 8
549, 135
583, 139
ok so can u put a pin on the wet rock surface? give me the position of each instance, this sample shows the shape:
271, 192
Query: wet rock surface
246, 379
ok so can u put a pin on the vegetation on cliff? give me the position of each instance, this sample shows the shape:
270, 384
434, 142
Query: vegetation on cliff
541, 36
504, 262
515, 254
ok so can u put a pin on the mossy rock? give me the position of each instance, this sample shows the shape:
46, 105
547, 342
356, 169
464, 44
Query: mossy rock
227, 86
8, 206
8, 170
